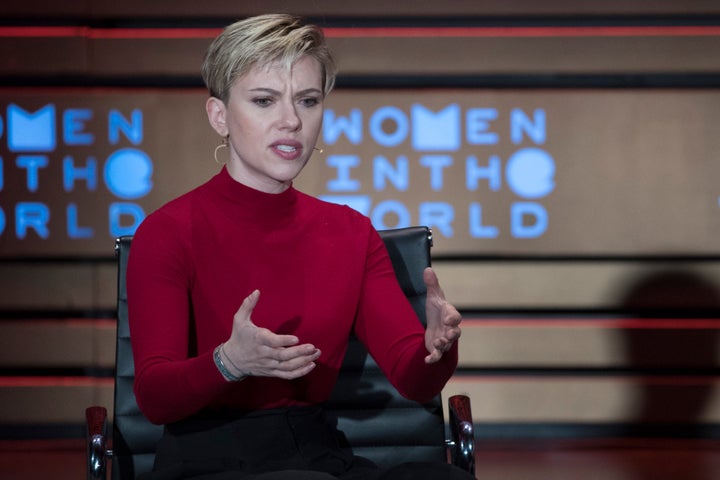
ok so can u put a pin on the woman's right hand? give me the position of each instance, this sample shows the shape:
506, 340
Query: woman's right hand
258, 352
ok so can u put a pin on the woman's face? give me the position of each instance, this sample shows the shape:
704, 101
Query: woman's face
273, 118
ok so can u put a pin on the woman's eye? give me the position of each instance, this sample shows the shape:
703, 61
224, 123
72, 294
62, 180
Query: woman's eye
310, 101
262, 102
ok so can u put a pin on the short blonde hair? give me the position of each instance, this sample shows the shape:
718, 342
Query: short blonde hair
258, 41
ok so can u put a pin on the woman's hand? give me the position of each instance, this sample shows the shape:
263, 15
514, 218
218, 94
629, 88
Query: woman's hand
258, 352
443, 320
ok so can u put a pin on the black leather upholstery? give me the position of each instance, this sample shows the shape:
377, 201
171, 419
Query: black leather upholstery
134, 437
377, 421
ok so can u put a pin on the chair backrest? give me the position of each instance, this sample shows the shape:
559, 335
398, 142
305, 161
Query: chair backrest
134, 437
378, 423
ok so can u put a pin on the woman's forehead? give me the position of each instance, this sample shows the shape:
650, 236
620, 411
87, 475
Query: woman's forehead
305, 71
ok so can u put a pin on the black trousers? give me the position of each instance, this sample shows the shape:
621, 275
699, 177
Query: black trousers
283, 444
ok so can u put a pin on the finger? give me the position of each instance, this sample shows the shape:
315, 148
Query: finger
451, 317
432, 283
433, 357
298, 351
442, 344
247, 306
450, 330
271, 339
272, 360
298, 363
453, 335
292, 368
452, 325
293, 374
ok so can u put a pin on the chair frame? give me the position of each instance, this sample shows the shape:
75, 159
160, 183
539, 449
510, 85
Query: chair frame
461, 444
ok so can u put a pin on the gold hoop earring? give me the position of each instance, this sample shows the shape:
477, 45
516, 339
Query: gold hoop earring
224, 143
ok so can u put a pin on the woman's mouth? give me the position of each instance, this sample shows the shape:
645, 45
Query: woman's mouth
287, 150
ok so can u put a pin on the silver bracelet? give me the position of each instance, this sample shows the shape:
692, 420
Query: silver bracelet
223, 369
227, 357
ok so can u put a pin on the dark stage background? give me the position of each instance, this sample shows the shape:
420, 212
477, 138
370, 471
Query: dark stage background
564, 153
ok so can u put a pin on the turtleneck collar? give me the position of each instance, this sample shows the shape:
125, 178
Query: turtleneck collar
266, 206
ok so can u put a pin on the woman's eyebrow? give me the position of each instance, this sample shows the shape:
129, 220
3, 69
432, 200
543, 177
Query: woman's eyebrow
309, 90
272, 91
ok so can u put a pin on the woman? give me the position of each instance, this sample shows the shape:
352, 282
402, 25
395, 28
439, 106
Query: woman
242, 293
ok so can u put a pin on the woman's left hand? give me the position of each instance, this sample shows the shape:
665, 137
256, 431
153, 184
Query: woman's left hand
443, 319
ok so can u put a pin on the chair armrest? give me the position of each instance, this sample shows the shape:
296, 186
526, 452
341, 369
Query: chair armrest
96, 439
462, 442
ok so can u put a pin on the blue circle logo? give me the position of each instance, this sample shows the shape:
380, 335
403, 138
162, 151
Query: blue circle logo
128, 173
530, 173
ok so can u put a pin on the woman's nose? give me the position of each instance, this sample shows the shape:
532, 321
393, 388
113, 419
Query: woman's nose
290, 119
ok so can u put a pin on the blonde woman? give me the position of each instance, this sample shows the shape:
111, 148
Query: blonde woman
243, 292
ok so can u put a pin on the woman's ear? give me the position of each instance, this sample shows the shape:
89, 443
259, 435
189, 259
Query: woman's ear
216, 110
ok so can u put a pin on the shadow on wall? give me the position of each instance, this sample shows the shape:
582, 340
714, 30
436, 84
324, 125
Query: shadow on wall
674, 359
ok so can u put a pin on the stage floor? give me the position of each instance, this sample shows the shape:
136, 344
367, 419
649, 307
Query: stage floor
596, 459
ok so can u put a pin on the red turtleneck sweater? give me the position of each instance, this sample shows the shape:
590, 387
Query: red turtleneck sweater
322, 271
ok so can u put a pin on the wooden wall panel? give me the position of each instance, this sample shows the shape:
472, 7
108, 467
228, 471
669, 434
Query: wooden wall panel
611, 284
157, 57
497, 344
591, 399
28, 56
362, 54
587, 343
500, 362
51, 400
472, 286
533, 369
325, 8
45, 343
57, 286
519, 55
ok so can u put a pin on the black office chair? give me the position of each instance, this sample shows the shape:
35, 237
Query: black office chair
378, 423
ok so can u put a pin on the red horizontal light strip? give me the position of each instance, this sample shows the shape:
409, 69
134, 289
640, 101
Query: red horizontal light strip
670, 380
522, 32
29, 381
610, 323
23, 32
122, 33
376, 32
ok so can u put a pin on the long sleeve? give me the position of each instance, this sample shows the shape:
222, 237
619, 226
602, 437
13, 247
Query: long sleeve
389, 327
170, 384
